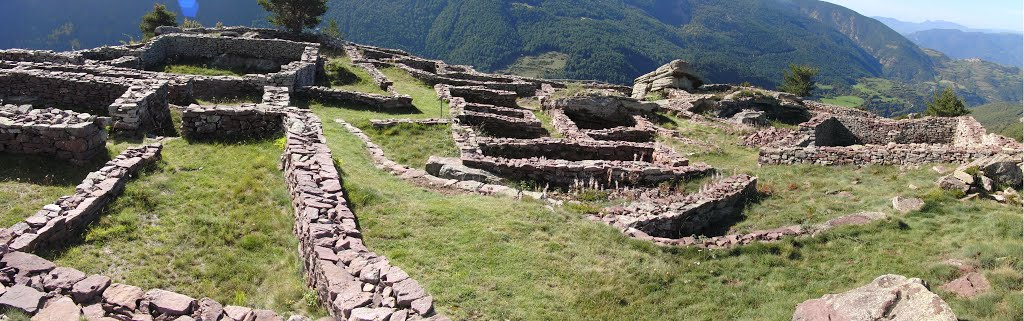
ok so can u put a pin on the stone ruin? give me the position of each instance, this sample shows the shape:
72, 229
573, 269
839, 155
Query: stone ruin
851, 140
118, 84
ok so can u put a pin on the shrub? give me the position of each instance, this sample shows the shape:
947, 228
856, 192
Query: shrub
799, 80
946, 104
156, 18
294, 15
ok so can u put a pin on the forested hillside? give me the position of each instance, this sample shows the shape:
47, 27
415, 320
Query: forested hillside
1002, 118
726, 41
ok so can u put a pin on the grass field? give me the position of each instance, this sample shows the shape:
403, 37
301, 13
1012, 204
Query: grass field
484, 259
848, 101
209, 220
545, 65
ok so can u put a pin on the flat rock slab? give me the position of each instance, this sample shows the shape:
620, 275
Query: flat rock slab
26, 263
22, 298
969, 285
888, 297
62, 309
170, 303
123, 295
87, 289
907, 205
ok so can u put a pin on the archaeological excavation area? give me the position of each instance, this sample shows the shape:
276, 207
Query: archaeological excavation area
328, 180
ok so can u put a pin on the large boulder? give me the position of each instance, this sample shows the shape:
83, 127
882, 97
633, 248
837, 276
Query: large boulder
907, 204
676, 74
888, 297
1002, 169
452, 168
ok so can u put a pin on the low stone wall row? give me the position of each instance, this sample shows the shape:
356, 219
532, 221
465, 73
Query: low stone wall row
553, 148
374, 101
759, 236
643, 131
600, 173
891, 154
422, 178
351, 281
686, 215
479, 95
248, 120
277, 96
494, 120
69, 215
61, 133
392, 122
50, 292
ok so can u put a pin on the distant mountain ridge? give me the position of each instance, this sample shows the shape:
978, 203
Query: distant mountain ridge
907, 27
726, 41
1002, 48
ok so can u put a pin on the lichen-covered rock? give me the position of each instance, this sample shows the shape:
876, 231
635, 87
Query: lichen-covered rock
63, 309
907, 204
22, 298
888, 297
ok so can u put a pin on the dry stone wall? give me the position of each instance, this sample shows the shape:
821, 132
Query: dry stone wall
380, 102
61, 133
69, 215
830, 139
350, 280
689, 214
248, 120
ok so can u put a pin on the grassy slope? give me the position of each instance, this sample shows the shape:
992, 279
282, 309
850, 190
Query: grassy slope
848, 101
29, 182
210, 220
1001, 118
484, 258
351, 77
411, 145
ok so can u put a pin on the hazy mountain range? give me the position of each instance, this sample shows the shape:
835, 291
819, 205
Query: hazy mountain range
726, 41
957, 41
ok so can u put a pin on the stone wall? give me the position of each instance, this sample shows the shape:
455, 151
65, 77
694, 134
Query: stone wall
134, 104
686, 215
60, 133
372, 101
552, 148
249, 120
483, 95
41, 56
599, 174
891, 154
392, 122
69, 215
493, 120
349, 279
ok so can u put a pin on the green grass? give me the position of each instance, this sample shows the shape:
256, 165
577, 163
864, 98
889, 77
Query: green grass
199, 70
413, 144
847, 101
343, 75
545, 121
802, 194
545, 65
486, 258
423, 96
210, 220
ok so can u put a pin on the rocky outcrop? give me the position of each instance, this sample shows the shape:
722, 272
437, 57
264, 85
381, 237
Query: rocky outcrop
676, 74
889, 297
970, 285
998, 177
907, 204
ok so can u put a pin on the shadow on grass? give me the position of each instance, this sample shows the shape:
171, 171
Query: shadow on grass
47, 170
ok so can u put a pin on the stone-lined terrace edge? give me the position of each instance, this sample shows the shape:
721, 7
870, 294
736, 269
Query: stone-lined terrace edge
422, 178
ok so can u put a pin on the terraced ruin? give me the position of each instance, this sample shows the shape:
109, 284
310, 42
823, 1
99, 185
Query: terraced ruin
440, 191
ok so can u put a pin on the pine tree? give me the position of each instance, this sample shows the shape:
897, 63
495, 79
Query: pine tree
946, 104
156, 18
295, 15
332, 29
799, 80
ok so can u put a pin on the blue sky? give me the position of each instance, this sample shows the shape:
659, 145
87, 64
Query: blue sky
979, 14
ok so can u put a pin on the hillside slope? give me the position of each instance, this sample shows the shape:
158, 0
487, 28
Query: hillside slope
1001, 118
